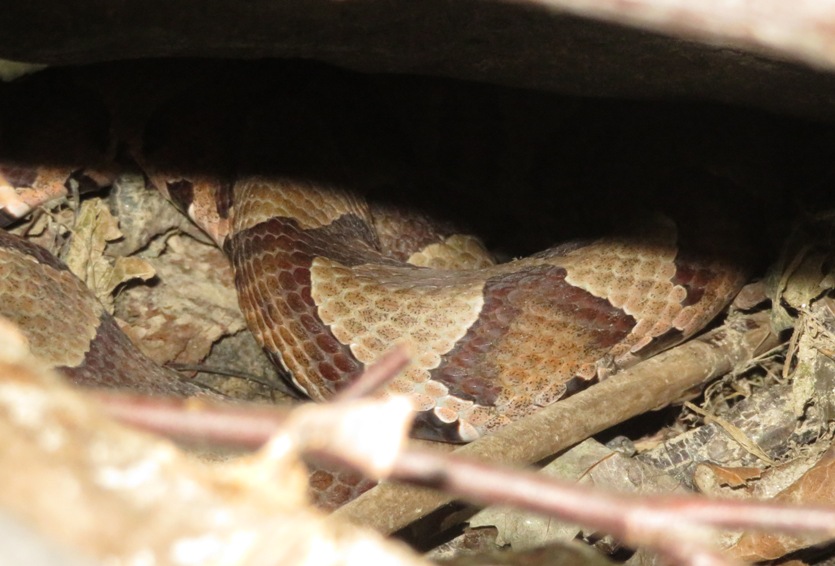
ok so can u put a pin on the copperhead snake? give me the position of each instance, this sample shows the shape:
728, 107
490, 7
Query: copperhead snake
328, 283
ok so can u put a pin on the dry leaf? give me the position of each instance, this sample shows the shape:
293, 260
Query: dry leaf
193, 306
780, 477
94, 228
806, 283
815, 487
127, 269
573, 553
813, 379
732, 477
144, 214
750, 296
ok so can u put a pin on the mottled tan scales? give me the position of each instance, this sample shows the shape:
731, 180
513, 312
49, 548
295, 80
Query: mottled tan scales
57, 341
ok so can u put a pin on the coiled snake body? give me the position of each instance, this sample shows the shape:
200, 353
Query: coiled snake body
328, 284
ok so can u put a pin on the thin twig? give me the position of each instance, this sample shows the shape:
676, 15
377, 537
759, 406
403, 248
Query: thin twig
383, 370
633, 518
280, 386
239, 426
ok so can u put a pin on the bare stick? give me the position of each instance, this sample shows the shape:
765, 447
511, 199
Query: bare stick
239, 426
383, 370
613, 513
674, 526
652, 384
276, 385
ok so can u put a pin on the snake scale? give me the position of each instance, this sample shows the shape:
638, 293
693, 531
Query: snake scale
329, 282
